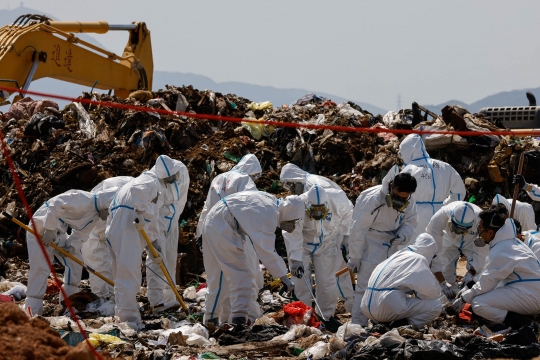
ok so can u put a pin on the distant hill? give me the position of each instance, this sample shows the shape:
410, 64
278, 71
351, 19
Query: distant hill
505, 98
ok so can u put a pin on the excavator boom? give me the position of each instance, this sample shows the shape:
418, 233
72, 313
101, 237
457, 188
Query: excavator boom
37, 47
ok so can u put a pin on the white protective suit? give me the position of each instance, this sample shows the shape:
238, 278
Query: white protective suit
374, 224
437, 182
236, 180
452, 245
340, 215
256, 215
133, 200
515, 265
316, 241
532, 240
534, 193
96, 252
523, 212
174, 200
76, 209
405, 272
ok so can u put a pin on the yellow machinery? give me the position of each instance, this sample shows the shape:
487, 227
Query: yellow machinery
34, 47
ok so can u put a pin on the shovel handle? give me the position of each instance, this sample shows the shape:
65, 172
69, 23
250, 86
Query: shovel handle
59, 249
164, 269
342, 271
516, 187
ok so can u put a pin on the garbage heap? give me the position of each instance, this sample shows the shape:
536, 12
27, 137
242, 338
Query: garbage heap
55, 150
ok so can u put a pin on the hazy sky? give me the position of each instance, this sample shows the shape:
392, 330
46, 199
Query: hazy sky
429, 51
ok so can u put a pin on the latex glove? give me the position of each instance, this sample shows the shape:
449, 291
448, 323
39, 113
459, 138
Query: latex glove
468, 278
103, 214
520, 179
448, 290
289, 285
458, 305
353, 265
345, 243
460, 293
155, 260
297, 268
398, 240
48, 237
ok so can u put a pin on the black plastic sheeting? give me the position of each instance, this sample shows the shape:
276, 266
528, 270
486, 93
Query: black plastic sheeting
518, 344
240, 335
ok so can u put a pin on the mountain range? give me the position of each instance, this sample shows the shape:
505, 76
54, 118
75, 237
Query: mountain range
256, 93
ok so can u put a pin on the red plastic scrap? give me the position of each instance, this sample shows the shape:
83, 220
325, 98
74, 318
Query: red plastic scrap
296, 310
6, 298
201, 286
52, 287
466, 313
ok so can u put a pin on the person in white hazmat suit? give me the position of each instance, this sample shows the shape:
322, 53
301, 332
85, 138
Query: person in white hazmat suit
530, 238
299, 181
133, 208
532, 190
438, 183
174, 189
454, 229
314, 239
388, 294
383, 218
511, 263
523, 212
76, 209
256, 215
96, 252
242, 177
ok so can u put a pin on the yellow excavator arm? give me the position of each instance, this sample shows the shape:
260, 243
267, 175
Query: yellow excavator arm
34, 47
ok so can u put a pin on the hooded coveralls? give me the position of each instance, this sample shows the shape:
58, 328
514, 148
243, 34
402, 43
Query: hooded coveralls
236, 180
174, 198
133, 200
407, 271
76, 209
514, 265
374, 224
523, 212
437, 182
96, 252
452, 245
336, 228
256, 215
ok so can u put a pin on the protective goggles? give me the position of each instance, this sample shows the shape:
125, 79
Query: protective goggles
459, 228
317, 212
171, 179
296, 188
396, 202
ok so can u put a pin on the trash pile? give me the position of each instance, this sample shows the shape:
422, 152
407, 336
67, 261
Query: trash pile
55, 150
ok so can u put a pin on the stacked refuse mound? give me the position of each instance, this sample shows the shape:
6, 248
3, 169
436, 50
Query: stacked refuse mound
24, 338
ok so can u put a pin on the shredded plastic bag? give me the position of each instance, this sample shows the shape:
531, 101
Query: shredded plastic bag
86, 124
258, 130
260, 106
317, 351
391, 339
349, 329
295, 314
190, 293
103, 339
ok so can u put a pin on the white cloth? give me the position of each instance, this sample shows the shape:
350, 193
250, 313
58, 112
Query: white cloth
77, 209
96, 252
334, 227
437, 182
532, 240
405, 272
257, 215
514, 265
236, 180
523, 212
374, 224
534, 194
452, 245
174, 201
127, 243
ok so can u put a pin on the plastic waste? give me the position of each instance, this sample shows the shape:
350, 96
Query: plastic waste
86, 124
267, 297
201, 294
265, 320
391, 339
298, 331
257, 130
336, 344
349, 329
102, 306
61, 323
347, 111
105, 340
181, 103
260, 106
190, 293
317, 351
